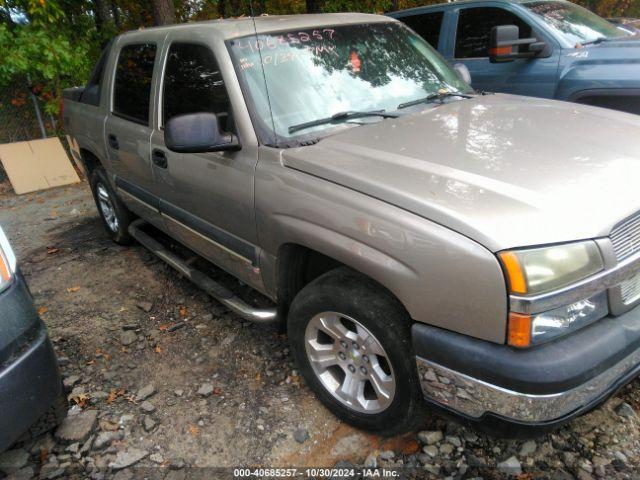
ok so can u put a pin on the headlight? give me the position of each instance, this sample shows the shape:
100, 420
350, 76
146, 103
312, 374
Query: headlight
539, 270
528, 330
7, 261
551, 324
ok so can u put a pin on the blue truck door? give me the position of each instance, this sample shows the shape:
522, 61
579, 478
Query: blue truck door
469, 44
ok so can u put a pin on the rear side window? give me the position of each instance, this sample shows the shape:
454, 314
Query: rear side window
474, 29
193, 84
132, 91
426, 25
92, 91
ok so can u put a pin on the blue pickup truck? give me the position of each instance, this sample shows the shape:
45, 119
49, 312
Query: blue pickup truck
542, 48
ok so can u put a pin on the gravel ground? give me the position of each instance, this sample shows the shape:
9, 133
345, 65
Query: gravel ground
165, 381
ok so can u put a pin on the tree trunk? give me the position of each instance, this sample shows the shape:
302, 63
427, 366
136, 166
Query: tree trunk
262, 6
234, 8
313, 6
101, 14
163, 12
222, 8
116, 15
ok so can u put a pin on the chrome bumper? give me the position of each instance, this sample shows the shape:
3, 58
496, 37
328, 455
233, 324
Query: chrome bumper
474, 398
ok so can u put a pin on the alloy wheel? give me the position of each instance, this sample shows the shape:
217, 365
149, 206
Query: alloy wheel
106, 207
350, 362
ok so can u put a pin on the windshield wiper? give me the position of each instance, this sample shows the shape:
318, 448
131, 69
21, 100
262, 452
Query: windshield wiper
595, 41
341, 117
433, 96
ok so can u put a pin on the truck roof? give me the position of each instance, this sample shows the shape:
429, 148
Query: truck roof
239, 27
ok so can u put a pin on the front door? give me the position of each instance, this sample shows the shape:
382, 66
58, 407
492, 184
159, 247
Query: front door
128, 130
206, 199
526, 76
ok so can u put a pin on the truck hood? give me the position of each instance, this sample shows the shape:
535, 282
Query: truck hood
626, 50
504, 170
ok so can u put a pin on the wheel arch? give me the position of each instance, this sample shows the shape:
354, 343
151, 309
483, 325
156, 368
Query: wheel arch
623, 99
298, 264
90, 161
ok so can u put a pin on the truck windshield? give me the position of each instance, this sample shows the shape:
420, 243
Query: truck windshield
316, 73
576, 24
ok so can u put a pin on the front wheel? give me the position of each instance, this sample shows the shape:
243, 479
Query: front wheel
351, 339
114, 214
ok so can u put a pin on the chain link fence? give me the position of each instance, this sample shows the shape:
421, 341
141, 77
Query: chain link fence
22, 116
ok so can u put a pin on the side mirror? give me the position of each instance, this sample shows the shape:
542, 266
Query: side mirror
462, 70
198, 133
505, 45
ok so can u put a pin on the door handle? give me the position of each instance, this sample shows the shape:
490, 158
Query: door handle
113, 141
159, 158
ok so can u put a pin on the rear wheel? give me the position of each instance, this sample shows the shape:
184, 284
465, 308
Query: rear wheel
114, 214
351, 339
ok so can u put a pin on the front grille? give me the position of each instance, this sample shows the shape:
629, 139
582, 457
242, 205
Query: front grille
630, 290
625, 237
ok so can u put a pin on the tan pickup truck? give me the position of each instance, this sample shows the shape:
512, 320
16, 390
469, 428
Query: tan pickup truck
417, 239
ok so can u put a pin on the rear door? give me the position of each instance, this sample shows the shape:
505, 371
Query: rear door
534, 77
127, 128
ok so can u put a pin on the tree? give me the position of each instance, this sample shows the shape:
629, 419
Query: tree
45, 49
313, 6
164, 12
101, 14
116, 15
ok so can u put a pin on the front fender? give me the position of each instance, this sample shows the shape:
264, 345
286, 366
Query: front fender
579, 78
441, 277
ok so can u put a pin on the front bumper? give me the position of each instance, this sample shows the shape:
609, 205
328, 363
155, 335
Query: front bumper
540, 387
30, 382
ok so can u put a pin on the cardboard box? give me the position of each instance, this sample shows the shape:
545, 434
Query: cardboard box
37, 165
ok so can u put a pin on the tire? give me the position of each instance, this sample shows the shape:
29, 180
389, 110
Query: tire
114, 214
344, 297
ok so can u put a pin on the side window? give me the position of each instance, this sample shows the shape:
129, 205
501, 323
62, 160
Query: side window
91, 93
426, 25
132, 90
474, 29
193, 84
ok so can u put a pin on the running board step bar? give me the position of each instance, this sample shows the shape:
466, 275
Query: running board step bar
206, 283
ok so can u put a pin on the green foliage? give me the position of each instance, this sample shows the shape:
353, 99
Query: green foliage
367, 6
44, 51
610, 8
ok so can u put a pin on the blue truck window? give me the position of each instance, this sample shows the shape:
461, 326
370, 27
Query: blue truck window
427, 25
474, 29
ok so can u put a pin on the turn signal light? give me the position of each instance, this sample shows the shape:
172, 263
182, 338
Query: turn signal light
499, 51
515, 275
5, 273
519, 331
7, 261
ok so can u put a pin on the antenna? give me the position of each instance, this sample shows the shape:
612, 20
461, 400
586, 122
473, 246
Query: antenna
264, 76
